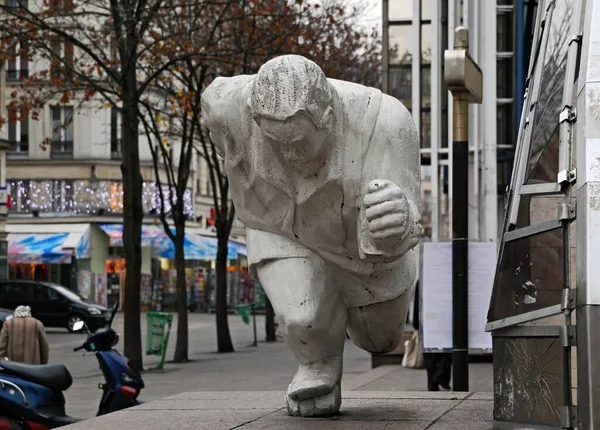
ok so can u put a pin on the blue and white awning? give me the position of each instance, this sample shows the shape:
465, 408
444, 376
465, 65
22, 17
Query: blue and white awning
196, 247
49, 244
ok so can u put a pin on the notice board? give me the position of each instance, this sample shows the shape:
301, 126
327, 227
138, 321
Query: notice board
436, 294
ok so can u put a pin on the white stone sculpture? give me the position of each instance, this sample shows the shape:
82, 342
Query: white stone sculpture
325, 174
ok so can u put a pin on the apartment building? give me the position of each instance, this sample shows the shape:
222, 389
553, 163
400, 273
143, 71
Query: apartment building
415, 35
65, 182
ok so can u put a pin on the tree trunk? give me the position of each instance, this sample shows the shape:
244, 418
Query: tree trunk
223, 336
132, 222
181, 347
270, 322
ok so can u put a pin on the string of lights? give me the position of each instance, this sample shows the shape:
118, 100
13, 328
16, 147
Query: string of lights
83, 197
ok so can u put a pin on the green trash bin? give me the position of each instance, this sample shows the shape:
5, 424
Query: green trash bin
159, 328
244, 311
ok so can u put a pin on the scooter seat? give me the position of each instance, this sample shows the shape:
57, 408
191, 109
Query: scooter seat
55, 376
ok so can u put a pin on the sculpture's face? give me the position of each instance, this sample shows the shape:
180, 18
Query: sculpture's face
296, 138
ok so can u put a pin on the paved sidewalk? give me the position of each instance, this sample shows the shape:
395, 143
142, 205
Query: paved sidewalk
268, 367
265, 410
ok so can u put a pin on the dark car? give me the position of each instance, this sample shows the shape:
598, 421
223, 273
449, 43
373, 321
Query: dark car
5, 314
53, 304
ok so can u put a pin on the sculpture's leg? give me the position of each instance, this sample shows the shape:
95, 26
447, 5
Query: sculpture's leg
379, 328
312, 316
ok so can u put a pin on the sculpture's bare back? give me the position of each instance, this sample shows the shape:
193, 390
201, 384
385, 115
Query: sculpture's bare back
326, 175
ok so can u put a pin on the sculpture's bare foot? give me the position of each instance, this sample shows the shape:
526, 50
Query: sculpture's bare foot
320, 406
316, 379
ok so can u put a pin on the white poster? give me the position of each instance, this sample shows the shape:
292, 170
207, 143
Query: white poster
436, 294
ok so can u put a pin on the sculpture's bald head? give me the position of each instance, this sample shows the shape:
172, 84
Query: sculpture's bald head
292, 102
290, 84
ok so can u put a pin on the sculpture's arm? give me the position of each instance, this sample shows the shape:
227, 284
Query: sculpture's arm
221, 100
389, 218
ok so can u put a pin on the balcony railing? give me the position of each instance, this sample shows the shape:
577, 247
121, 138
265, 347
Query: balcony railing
16, 74
18, 149
61, 149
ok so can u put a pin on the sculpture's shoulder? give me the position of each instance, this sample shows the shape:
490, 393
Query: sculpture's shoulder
221, 98
394, 116
355, 97
360, 105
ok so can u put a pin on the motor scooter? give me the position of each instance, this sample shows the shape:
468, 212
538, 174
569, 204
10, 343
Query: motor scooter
31, 396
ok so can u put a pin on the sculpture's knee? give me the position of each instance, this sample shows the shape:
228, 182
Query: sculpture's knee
378, 328
302, 327
376, 342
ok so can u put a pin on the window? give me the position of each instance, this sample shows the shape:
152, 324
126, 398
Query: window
115, 134
61, 65
62, 131
16, 3
400, 84
61, 5
400, 40
400, 10
18, 134
17, 65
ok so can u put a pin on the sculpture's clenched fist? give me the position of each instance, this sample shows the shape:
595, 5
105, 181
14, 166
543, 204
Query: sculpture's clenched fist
386, 210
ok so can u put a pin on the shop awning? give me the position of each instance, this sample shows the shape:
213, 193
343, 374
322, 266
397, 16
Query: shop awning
77, 241
196, 247
115, 233
38, 248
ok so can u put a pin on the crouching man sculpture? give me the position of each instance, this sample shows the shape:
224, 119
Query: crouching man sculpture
325, 174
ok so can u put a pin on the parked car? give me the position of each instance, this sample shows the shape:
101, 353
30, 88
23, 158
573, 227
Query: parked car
5, 314
53, 304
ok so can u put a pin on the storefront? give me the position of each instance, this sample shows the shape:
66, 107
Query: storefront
200, 255
63, 253
115, 262
47, 256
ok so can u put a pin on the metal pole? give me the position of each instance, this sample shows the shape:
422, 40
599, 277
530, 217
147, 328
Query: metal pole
385, 47
255, 342
464, 78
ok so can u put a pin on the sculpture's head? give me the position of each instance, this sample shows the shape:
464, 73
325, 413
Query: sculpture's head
292, 102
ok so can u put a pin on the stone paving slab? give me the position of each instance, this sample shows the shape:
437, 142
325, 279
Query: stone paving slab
265, 410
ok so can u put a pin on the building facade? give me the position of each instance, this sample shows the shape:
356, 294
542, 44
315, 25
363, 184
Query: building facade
415, 35
66, 212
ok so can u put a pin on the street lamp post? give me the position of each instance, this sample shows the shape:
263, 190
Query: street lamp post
464, 79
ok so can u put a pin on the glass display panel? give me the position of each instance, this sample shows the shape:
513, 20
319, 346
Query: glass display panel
530, 276
549, 101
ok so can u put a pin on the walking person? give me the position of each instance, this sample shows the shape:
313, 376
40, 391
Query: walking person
23, 338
